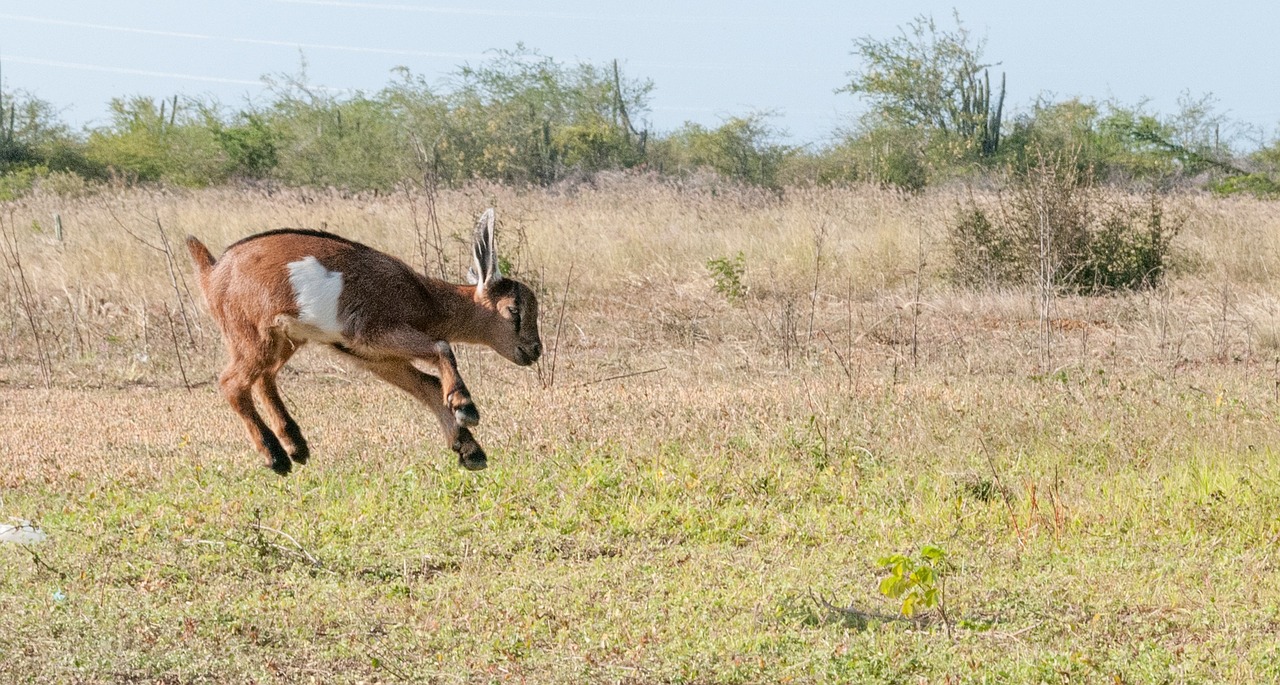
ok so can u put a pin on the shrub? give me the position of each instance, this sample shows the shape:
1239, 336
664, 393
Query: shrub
1053, 225
20, 182
985, 254
726, 276
250, 144
742, 148
1257, 184
321, 140
151, 140
1128, 249
595, 145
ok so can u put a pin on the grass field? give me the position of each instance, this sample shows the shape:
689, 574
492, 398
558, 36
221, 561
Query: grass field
686, 489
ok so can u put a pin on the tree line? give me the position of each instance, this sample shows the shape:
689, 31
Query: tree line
934, 111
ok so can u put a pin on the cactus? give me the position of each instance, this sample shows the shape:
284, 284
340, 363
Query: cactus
975, 118
6, 135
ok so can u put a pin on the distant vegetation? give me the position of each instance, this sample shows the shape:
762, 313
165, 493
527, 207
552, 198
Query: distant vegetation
936, 111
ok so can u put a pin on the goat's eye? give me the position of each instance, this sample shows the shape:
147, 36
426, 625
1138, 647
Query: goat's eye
513, 312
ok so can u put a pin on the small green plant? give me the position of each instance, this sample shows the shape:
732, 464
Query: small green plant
920, 582
726, 273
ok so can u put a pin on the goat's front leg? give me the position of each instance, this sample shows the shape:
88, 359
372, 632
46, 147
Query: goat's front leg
427, 390
411, 344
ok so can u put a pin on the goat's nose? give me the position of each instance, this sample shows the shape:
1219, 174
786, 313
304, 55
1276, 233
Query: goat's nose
536, 349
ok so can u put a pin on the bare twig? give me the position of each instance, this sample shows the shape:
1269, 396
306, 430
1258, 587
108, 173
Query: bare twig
77, 338
430, 183
173, 335
550, 380
915, 305
844, 365
621, 376
1004, 493
167, 249
297, 550
176, 280
41, 563
13, 263
1016, 634
381, 661
124, 227
819, 241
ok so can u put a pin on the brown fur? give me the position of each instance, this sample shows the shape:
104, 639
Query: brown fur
389, 315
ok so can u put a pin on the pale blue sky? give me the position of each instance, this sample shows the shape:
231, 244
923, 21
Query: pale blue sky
708, 60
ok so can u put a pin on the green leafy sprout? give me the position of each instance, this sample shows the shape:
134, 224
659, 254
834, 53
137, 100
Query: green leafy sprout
920, 582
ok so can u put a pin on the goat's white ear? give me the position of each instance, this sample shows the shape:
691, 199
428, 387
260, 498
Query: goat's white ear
484, 250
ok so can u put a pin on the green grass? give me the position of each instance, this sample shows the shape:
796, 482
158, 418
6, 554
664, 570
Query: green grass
1121, 551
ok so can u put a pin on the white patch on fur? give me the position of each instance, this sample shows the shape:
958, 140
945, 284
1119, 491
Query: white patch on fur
316, 290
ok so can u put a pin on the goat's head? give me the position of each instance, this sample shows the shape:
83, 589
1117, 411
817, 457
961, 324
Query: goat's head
513, 329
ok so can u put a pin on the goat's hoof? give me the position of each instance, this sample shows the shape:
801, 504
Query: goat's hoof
470, 456
281, 464
467, 415
301, 453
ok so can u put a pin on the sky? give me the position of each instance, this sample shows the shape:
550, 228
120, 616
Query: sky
708, 60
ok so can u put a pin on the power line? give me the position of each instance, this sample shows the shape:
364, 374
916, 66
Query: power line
145, 72
250, 41
123, 70
534, 14
704, 66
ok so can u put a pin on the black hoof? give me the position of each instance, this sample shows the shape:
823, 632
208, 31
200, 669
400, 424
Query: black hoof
467, 415
277, 458
299, 452
281, 465
470, 455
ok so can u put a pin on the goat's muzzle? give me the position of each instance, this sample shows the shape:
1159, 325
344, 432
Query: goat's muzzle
528, 354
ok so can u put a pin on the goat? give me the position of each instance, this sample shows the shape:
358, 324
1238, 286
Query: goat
273, 292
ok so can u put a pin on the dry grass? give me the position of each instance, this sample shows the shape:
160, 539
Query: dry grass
666, 526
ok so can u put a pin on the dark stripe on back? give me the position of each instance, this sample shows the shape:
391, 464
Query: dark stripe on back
298, 231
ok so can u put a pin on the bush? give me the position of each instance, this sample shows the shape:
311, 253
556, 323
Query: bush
742, 148
726, 276
20, 182
32, 137
595, 145
1053, 225
522, 117
895, 158
985, 255
1129, 249
251, 145
1257, 184
151, 140
320, 140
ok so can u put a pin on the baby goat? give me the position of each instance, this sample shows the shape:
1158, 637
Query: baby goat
273, 292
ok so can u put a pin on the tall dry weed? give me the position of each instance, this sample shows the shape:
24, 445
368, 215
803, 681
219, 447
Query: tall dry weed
837, 279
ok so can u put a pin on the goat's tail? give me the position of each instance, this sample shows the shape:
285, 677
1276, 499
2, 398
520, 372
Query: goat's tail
203, 260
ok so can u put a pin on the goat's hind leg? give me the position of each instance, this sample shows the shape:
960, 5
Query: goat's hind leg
237, 382
268, 394
428, 390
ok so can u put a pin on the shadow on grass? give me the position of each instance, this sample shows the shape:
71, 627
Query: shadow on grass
813, 609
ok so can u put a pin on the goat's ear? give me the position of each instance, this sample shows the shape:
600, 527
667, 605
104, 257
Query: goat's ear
484, 270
